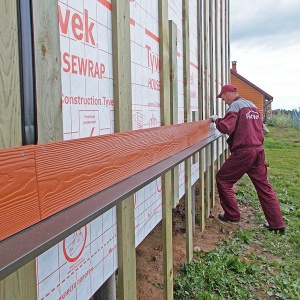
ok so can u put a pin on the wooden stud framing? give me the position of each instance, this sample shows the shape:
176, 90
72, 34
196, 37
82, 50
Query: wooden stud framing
212, 57
123, 122
212, 51
200, 58
223, 69
47, 70
217, 51
207, 106
10, 98
21, 284
206, 56
200, 24
195, 117
212, 173
47, 77
48, 94
187, 118
227, 51
207, 180
166, 118
173, 72
188, 211
174, 101
201, 191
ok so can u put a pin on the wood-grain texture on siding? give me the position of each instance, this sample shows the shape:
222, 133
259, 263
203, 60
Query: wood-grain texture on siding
70, 171
19, 206
40, 180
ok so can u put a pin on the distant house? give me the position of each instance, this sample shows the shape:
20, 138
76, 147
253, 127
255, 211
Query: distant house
250, 91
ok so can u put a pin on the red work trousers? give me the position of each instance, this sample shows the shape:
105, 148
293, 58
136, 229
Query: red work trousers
249, 161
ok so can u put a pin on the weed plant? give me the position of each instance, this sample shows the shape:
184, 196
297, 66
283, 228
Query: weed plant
234, 270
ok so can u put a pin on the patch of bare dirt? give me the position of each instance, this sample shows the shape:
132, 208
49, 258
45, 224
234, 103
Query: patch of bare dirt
150, 255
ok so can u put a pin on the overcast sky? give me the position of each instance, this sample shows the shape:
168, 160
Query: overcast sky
265, 42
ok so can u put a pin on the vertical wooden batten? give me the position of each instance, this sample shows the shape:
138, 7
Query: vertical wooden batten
47, 70
217, 46
227, 53
13, 286
212, 51
223, 70
174, 101
206, 16
10, 97
123, 122
22, 283
166, 119
187, 118
201, 108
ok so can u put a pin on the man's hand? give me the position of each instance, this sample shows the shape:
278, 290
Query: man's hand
214, 118
265, 129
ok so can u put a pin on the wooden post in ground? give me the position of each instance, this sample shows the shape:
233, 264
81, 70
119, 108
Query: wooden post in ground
201, 111
206, 46
123, 122
212, 55
207, 180
187, 118
22, 283
166, 119
201, 190
218, 77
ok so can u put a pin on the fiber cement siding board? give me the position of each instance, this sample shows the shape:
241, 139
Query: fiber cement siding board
19, 206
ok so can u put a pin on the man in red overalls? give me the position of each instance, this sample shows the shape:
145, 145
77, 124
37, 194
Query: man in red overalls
244, 126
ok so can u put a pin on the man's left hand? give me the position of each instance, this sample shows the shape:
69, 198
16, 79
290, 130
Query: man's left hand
214, 118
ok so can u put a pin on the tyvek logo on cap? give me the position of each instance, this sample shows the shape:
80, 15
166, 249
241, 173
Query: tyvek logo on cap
252, 115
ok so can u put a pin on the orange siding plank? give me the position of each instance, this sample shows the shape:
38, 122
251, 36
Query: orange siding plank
19, 206
70, 171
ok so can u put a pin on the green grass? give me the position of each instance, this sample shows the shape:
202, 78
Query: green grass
233, 271
283, 151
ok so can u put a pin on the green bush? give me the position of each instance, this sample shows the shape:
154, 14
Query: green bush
279, 120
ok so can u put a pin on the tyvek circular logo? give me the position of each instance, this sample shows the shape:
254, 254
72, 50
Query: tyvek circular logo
73, 245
